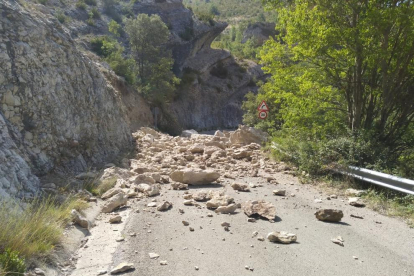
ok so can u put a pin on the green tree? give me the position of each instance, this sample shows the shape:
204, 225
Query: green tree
148, 36
114, 28
345, 69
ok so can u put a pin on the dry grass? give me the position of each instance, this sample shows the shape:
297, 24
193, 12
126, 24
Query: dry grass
35, 231
102, 187
392, 204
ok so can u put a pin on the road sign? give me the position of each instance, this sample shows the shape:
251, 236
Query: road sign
263, 107
262, 114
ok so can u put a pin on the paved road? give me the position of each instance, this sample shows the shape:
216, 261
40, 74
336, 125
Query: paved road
375, 245
383, 246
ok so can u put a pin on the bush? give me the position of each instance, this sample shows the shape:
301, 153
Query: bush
61, 17
43, 2
94, 13
90, 21
81, 5
10, 261
91, 2
104, 46
110, 9
114, 28
110, 49
124, 67
189, 75
206, 17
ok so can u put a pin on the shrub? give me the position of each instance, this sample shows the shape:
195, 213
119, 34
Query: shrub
12, 263
189, 75
91, 2
90, 21
124, 67
114, 28
43, 2
81, 5
94, 13
109, 9
206, 17
61, 17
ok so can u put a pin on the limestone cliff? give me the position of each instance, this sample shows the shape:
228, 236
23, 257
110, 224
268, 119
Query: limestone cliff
58, 111
213, 98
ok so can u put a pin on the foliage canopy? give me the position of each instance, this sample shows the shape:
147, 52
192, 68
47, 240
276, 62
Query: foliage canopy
346, 69
148, 37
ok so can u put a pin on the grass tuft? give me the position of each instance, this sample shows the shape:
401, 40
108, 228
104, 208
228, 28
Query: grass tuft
392, 204
102, 187
35, 230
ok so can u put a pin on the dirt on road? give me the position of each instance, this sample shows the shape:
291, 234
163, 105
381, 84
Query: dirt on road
209, 243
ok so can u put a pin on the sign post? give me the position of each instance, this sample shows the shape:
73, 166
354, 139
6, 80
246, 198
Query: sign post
263, 110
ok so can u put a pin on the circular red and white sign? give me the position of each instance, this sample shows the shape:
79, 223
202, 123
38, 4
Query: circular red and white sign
262, 115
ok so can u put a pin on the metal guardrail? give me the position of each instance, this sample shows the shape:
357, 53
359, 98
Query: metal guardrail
396, 183
382, 179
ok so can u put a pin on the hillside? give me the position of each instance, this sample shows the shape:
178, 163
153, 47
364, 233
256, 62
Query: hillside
232, 11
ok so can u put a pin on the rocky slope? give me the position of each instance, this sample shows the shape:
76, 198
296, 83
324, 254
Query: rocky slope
58, 111
63, 111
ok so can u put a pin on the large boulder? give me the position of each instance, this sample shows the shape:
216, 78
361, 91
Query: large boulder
195, 176
246, 135
114, 202
330, 215
261, 208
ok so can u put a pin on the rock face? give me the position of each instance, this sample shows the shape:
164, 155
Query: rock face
259, 32
57, 109
330, 215
261, 208
212, 100
195, 177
